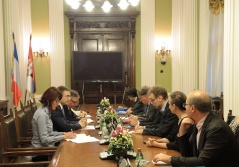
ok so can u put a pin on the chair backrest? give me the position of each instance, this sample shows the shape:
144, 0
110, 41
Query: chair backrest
221, 110
21, 124
33, 105
8, 131
28, 110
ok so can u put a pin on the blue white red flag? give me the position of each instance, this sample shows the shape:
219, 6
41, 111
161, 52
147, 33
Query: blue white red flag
17, 93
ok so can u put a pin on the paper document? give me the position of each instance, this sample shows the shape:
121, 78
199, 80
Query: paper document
82, 138
161, 163
89, 120
89, 127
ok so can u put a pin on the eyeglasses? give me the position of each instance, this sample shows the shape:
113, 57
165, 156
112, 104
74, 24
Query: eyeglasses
75, 102
185, 104
67, 96
152, 100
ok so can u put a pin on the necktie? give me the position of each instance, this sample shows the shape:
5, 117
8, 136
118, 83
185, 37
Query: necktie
63, 112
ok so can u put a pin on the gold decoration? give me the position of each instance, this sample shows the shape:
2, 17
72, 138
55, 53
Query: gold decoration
216, 6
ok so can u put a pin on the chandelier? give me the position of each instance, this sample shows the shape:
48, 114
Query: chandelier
106, 5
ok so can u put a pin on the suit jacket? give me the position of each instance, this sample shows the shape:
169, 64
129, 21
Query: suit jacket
60, 123
138, 107
217, 146
167, 122
149, 117
69, 114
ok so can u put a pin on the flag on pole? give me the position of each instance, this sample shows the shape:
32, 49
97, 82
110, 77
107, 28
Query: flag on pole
31, 80
17, 93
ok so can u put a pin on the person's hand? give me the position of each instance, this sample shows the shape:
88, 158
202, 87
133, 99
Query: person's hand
129, 111
150, 142
83, 122
162, 157
133, 120
82, 114
163, 140
139, 131
69, 135
186, 123
137, 127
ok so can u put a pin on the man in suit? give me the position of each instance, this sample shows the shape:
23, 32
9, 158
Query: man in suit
74, 104
146, 118
59, 116
165, 121
212, 142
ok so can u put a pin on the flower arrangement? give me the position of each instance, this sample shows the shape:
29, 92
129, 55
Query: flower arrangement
110, 115
120, 142
105, 103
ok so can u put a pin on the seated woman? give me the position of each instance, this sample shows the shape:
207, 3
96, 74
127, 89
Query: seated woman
176, 101
42, 128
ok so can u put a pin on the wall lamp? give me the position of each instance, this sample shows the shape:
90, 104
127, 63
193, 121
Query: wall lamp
163, 54
40, 53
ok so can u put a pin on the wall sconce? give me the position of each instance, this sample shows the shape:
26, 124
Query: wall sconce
40, 53
163, 53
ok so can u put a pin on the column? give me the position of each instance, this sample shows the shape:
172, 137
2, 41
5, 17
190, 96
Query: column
147, 43
57, 47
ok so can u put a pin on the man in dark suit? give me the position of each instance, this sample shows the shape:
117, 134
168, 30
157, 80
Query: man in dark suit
60, 116
165, 121
147, 117
212, 143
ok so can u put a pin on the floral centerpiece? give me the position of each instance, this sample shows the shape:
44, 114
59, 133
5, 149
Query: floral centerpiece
120, 142
104, 104
110, 115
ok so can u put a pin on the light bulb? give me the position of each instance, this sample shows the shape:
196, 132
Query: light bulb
88, 5
123, 4
106, 6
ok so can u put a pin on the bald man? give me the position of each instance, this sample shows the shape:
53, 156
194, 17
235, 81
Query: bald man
212, 142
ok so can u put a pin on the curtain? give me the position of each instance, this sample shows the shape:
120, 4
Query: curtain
214, 81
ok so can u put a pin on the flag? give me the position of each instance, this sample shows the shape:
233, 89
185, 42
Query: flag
31, 81
17, 93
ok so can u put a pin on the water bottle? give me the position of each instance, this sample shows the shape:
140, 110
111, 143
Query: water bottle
139, 157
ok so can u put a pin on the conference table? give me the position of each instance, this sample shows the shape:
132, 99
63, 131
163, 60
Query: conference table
87, 154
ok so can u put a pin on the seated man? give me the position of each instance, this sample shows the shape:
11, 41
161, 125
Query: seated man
73, 104
138, 107
58, 117
165, 119
146, 118
212, 142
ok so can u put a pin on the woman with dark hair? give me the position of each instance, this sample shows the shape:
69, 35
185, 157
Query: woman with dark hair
176, 101
42, 128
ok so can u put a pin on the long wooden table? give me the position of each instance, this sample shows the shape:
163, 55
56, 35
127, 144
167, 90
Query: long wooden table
87, 154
